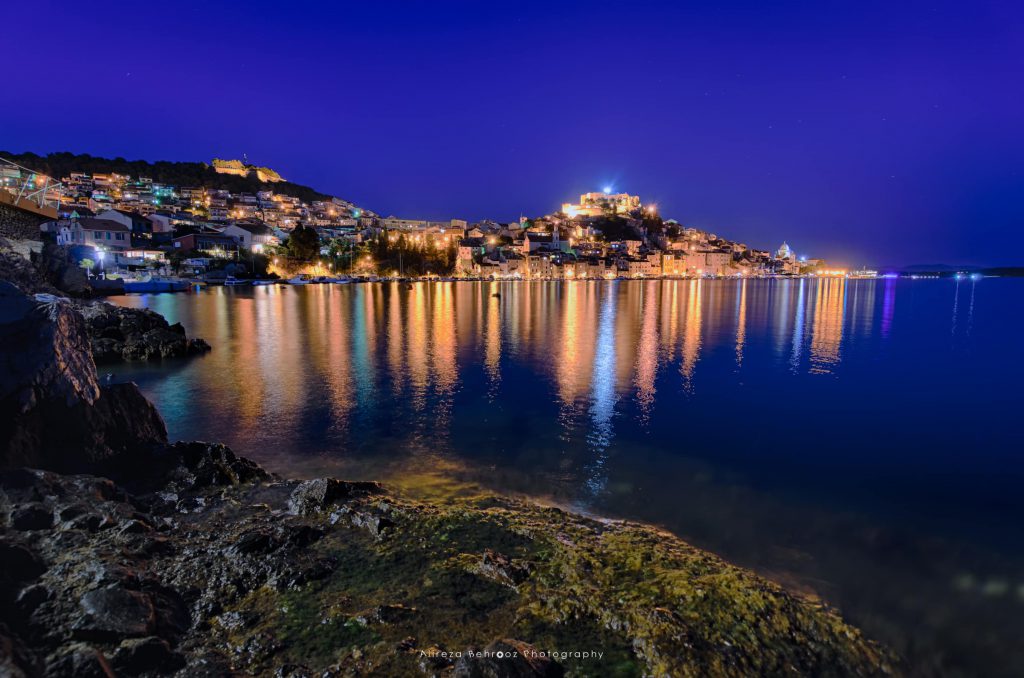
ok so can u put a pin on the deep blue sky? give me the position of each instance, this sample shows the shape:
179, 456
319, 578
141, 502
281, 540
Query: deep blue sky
882, 132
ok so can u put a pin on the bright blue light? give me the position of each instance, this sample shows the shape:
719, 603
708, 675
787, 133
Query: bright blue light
607, 189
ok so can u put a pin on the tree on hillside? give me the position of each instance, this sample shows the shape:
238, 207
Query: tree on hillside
304, 243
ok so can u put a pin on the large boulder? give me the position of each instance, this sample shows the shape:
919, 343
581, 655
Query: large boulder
56, 415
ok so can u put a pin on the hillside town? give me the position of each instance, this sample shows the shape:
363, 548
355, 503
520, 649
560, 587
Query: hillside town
122, 225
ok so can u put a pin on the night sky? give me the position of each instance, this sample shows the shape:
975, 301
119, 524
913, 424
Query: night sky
869, 132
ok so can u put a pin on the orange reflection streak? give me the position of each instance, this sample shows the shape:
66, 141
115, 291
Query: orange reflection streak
337, 353
691, 332
246, 385
395, 339
372, 314
444, 351
568, 372
288, 370
670, 313
647, 351
627, 302
827, 326
741, 324
492, 341
417, 338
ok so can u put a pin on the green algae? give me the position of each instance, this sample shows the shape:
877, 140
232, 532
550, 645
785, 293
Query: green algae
650, 603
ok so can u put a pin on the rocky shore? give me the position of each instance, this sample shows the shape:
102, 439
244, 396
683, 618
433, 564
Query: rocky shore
116, 333
122, 554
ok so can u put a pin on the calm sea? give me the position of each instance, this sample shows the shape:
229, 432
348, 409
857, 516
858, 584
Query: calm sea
860, 441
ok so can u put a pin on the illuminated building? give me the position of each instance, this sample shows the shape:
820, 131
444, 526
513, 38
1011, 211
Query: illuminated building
597, 204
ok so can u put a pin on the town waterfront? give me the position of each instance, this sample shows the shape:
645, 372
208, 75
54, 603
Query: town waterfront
852, 439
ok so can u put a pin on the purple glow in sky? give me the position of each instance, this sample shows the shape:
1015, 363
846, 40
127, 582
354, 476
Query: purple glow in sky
867, 132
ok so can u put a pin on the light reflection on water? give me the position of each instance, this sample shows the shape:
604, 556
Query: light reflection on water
826, 432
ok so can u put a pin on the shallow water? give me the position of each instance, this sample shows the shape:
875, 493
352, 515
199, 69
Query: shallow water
857, 440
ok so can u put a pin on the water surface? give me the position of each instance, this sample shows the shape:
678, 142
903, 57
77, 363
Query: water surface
856, 440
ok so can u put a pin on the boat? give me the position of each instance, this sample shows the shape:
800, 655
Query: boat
321, 279
263, 282
298, 280
340, 280
231, 280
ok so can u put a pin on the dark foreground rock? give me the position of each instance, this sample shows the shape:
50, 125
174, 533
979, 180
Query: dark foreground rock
56, 414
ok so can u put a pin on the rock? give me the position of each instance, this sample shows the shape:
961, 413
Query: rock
47, 375
16, 661
265, 540
57, 267
18, 564
119, 333
22, 273
373, 523
434, 661
507, 659
193, 465
503, 569
312, 496
142, 655
113, 613
46, 352
30, 517
78, 660
384, 614
31, 597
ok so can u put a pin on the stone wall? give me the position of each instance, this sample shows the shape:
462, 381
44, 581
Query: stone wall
19, 225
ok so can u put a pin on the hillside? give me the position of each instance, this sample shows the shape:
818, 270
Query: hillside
60, 165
